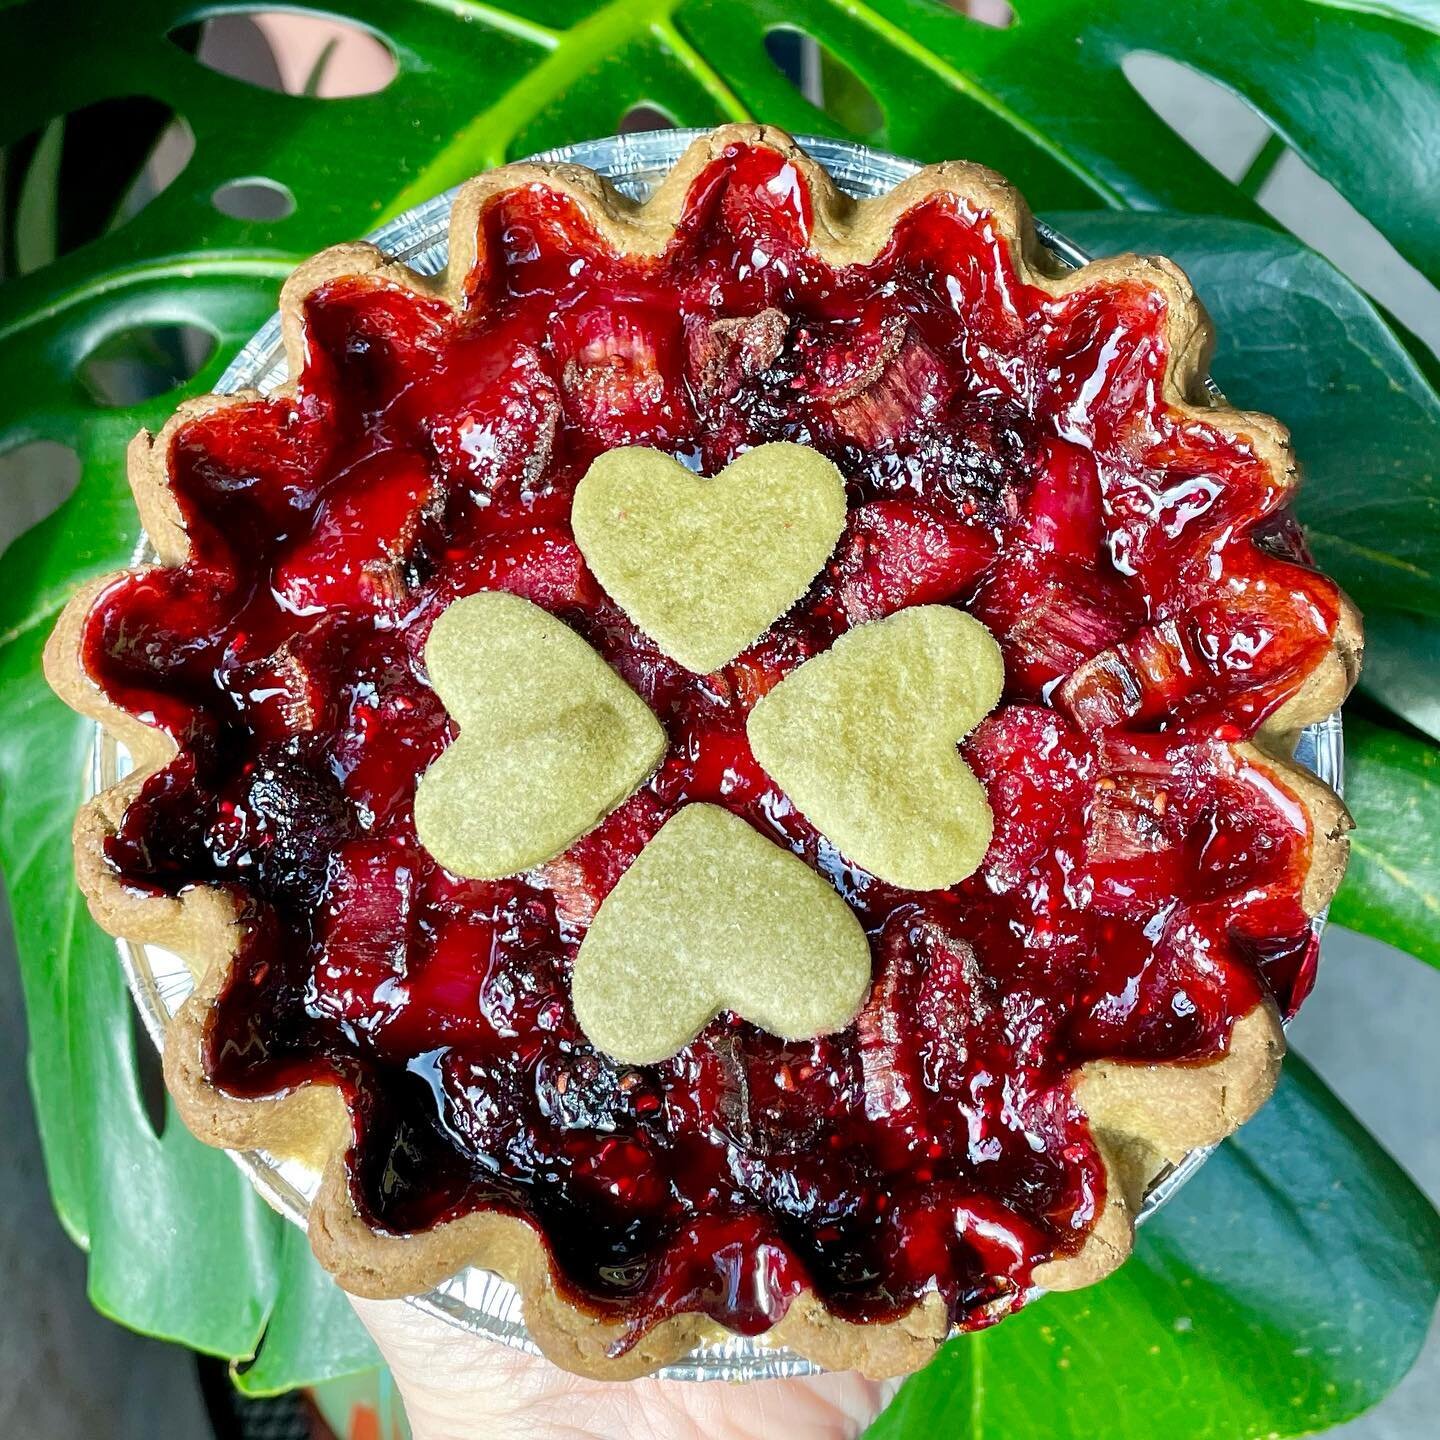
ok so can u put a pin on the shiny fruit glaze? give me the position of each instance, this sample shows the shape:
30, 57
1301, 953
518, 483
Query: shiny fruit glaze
1005, 451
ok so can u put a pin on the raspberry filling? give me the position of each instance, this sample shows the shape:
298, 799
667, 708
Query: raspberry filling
1005, 451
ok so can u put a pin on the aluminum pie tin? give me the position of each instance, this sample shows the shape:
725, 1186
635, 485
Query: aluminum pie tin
476, 1300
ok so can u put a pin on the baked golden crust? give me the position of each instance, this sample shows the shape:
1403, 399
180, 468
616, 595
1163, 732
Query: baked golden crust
1143, 1116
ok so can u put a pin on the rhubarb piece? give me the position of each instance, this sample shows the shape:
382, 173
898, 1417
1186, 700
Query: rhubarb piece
392, 725
1248, 648
550, 740
722, 354
911, 386
365, 925
620, 384
895, 554
493, 425
356, 553
957, 1009
681, 555
845, 357
1038, 772
542, 565
1162, 983
589, 870
1138, 824
863, 737
714, 917
893, 1087
1050, 614
1144, 676
287, 692
1065, 511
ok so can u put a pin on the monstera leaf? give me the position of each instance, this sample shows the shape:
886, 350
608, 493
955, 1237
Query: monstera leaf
1210, 1332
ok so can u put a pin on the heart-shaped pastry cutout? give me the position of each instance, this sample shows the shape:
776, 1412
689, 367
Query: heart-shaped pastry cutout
550, 738
863, 740
705, 567
712, 916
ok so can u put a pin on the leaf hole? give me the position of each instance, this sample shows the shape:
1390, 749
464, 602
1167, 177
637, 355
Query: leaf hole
997, 14
291, 51
254, 198
640, 118
1225, 129
149, 1074
84, 174
1215, 122
142, 361
1312, 209
826, 81
36, 479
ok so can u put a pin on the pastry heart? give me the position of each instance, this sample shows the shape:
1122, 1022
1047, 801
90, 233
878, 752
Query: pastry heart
705, 567
712, 916
863, 740
550, 738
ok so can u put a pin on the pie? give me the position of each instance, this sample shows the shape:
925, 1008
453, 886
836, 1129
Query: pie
1032, 446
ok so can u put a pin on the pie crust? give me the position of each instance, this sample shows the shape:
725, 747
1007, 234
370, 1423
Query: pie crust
1143, 1117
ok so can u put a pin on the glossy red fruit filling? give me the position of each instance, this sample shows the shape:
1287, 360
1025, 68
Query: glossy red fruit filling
1005, 451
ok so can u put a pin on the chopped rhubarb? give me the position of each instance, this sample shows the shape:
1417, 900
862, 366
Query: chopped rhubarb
912, 385
544, 565
895, 554
723, 354
892, 1086
1065, 513
289, 691
587, 872
1246, 652
363, 535
1051, 614
365, 927
620, 379
493, 424
846, 357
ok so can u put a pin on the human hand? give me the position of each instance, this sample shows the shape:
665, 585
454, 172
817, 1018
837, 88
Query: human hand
459, 1386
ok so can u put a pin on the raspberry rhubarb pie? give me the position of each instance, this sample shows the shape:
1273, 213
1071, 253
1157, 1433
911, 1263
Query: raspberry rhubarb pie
727, 760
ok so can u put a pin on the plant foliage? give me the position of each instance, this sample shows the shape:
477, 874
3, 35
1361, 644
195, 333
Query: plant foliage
1290, 1286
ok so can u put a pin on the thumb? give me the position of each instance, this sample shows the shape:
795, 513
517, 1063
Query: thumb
460, 1386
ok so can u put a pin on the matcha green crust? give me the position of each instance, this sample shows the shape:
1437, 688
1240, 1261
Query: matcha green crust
863, 739
551, 739
705, 567
712, 916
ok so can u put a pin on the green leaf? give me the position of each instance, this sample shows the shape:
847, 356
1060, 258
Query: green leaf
41, 398
178, 1245
144, 1206
1402, 666
1421, 12
1286, 1289
1392, 889
317, 70
313, 1334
